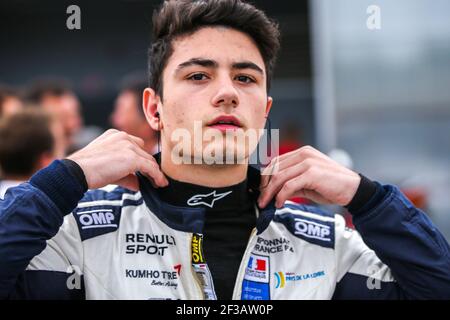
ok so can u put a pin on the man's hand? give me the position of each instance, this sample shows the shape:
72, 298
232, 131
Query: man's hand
307, 173
113, 158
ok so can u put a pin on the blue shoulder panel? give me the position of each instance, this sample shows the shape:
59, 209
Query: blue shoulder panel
103, 215
309, 227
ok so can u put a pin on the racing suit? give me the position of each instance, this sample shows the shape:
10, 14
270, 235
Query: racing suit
119, 244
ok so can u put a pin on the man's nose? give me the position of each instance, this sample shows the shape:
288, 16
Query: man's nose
226, 94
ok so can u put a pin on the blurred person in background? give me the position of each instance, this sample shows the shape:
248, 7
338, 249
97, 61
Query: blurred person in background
128, 114
29, 141
56, 97
10, 101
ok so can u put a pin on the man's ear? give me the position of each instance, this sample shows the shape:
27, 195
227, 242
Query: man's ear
150, 102
268, 106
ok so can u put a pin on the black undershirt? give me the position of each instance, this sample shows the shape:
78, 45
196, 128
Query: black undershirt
227, 228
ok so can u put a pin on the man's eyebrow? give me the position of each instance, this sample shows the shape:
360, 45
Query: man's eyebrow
247, 65
207, 63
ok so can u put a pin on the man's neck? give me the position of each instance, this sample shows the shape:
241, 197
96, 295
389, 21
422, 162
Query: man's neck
214, 176
151, 146
150, 140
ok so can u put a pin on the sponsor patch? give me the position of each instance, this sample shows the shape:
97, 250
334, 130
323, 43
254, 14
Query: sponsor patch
255, 291
197, 249
313, 230
160, 278
201, 268
97, 220
283, 278
152, 244
316, 231
257, 269
271, 246
207, 199
100, 218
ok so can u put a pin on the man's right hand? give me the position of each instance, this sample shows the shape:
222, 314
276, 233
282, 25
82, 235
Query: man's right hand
113, 158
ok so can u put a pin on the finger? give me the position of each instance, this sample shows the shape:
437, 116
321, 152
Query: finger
290, 189
148, 166
266, 175
271, 180
129, 182
272, 168
144, 154
265, 179
160, 179
153, 171
300, 155
313, 196
305, 151
279, 179
121, 136
138, 141
281, 163
107, 133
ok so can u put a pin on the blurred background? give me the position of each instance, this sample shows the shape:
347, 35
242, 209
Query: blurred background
376, 100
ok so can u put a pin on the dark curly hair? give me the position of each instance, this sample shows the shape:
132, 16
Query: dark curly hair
177, 18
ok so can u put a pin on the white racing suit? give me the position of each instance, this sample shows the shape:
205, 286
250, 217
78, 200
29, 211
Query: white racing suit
119, 244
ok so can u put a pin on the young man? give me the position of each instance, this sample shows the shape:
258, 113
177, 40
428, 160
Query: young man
195, 230
57, 98
29, 141
10, 101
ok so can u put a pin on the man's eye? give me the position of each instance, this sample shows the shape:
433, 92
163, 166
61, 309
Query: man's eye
198, 77
244, 79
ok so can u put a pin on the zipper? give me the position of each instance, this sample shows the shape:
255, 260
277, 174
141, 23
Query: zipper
194, 274
201, 270
240, 276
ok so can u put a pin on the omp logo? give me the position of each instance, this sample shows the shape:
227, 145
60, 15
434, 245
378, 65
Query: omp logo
207, 199
312, 230
102, 218
197, 249
280, 280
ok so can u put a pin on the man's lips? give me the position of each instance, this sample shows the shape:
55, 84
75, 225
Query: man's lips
224, 127
224, 123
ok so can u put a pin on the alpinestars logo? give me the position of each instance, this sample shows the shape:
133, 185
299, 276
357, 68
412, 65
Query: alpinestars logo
207, 199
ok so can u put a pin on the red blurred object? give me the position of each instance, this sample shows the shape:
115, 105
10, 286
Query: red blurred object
418, 196
288, 146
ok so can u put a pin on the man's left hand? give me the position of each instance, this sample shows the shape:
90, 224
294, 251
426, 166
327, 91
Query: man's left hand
307, 173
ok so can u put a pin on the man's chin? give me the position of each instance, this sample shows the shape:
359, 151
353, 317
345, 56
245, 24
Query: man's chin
225, 155
212, 155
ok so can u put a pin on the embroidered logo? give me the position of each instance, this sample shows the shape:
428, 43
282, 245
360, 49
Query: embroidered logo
313, 230
207, 199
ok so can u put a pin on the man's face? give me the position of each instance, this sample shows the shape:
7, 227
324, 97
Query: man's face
126, 116
11, 105
214, 72
59, 147
67, 108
